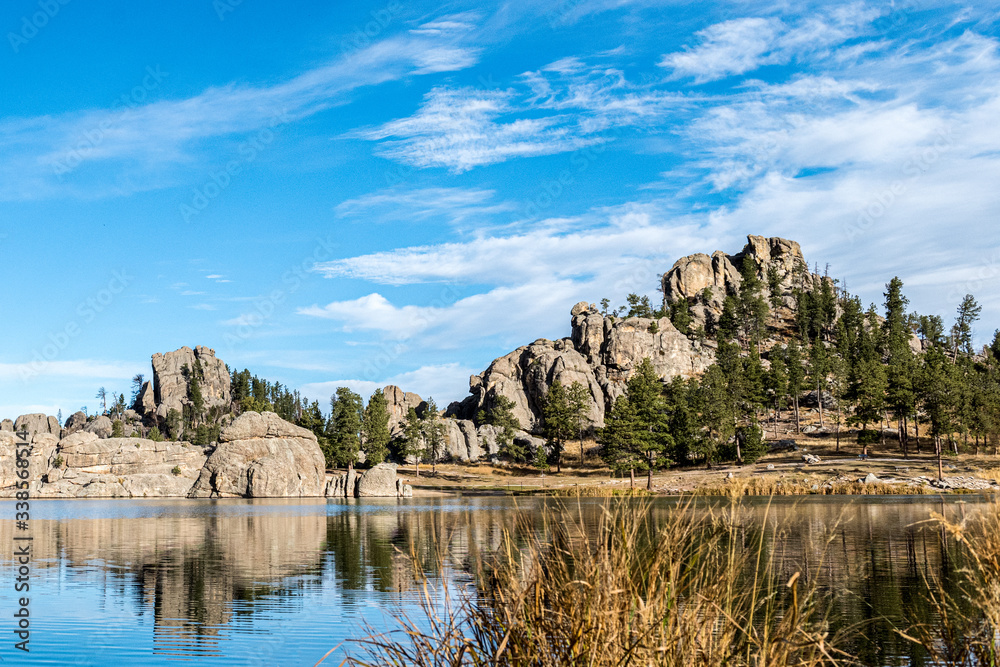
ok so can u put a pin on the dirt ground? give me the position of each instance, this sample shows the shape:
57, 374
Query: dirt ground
963, 471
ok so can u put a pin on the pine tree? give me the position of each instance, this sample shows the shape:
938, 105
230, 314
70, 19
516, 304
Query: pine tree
968, 314
413, 439
434, 433
501, 414
578, 402
617, 436
653, 441
344, 428
751, 306
900, 361
776, 385
717, 414
375, 429
796, 376
557, 423
819, 368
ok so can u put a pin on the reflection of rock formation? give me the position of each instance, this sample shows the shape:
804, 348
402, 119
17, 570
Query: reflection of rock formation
194, 573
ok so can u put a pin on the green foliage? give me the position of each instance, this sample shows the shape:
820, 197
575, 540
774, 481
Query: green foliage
343, 429
434, 432
680, 316
117, 430
968, 313
205, 434
869, 436
556, 422
155, 435
501, 414
638, 306
541, 462
414, 444
176, 471
58, 462
375, 429
752, 444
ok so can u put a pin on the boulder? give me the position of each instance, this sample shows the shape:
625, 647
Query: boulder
75, 422
37, 423
461, 440
811, 400
810, 459
783, 446
101, 427
170, 383
7, 425
379, 482
251, 425
870, 478
262, 456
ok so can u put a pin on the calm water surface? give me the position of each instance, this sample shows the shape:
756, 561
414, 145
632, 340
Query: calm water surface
280, 582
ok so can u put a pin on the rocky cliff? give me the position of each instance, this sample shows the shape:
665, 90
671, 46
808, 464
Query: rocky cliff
601, 354
169, 387
704, 281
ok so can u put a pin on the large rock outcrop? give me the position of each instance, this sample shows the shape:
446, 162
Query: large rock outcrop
705, 281
37, 423
75, 422
170, 382
399, 403
81, 465
601, 355
261, 455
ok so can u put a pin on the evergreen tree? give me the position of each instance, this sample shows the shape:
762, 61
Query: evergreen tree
413, 439
557, 422
968, 314
578, 402
501, 414
653, 442
683, 422
819, 368
617, 436
344, 428
717, 414
751, 305
434, 433
776, 384
937, 391
375, 429
796, 376
900, 362
680, 315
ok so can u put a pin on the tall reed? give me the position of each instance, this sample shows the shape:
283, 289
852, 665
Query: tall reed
682, 587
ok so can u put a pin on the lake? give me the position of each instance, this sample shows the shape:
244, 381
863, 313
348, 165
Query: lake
280, 582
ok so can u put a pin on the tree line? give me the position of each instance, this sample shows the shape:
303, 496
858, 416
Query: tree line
877, 368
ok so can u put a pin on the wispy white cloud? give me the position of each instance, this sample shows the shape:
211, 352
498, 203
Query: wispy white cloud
742, 45
141, 145
458, 206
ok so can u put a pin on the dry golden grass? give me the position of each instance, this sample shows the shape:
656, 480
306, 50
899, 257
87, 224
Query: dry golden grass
695, 588
766, 486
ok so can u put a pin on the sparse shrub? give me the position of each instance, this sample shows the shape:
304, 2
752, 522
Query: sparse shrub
176, 471
155, 435
58, 462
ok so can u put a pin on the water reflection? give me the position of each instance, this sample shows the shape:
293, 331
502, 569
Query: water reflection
220, 579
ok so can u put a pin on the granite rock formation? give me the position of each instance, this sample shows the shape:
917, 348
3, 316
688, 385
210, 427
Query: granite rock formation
378, 482
262, 456
170, 384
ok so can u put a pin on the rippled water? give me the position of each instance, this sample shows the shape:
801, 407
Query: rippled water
280, 582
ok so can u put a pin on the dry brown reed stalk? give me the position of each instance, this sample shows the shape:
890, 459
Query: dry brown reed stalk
966, 629
683, 587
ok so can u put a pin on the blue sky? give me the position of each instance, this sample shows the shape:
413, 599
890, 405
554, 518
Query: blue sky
365, 193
